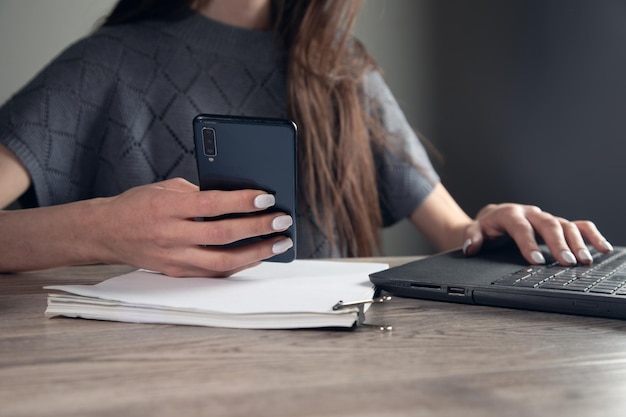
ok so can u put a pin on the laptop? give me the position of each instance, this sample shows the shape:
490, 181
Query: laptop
501, 277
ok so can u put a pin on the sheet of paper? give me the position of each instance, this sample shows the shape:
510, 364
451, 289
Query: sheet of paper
299, 286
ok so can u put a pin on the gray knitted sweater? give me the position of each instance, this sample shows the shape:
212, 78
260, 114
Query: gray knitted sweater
114, 111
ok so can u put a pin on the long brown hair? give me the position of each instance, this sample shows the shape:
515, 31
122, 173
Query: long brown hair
337, 128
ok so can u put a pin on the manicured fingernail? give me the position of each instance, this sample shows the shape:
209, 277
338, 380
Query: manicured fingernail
537, 257
606, 245
264, 201
585, 255
466, 245
282, 245
282, 222
569, 257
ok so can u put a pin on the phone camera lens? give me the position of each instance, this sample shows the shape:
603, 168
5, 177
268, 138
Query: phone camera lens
209, 142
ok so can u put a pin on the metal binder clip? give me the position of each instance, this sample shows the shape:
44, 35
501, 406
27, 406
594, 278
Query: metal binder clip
341, 304
361, 310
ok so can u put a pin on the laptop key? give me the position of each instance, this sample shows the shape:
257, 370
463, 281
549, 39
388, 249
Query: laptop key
602, 290
580, 287
530, 283
621, 291
555, 284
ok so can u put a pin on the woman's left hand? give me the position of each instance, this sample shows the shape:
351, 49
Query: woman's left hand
565, 239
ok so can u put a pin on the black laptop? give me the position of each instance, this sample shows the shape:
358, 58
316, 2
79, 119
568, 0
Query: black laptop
501, 277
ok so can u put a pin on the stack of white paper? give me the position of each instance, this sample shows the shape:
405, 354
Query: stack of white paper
300, 294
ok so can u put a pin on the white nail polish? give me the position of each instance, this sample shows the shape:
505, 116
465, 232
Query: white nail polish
537, 257
585, 255
606, 245
466, 245
264, 201
282, 246
282, 222
569, 257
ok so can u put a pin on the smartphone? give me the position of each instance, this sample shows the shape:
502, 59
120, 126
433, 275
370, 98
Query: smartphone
237, 152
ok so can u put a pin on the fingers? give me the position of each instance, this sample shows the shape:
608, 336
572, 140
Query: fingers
196, 248
496, 221
591, 234
522, 231
178, 198
562, 238
157, 229
473, 239
565, 239
217, 262
179, 184
225, 231
215, 203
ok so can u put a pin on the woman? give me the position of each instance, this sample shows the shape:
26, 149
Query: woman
100, 143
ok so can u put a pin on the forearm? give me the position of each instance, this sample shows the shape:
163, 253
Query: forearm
440, 219
48, 237
445, 236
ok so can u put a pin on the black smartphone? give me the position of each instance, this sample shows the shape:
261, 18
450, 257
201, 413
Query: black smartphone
237, 152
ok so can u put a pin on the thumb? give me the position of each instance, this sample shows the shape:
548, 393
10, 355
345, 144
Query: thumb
473, 239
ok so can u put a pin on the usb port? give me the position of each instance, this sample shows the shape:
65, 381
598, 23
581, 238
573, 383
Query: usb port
456, 290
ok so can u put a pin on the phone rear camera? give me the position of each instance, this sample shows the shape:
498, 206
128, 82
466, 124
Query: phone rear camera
208, 141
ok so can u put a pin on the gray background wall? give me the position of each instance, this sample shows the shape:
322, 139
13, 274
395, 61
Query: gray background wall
500, 88
529, 104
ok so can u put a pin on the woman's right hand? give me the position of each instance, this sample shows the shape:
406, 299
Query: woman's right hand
151, 226
154, 227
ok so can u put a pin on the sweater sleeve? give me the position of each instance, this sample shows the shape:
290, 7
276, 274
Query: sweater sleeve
52, 123
405, 174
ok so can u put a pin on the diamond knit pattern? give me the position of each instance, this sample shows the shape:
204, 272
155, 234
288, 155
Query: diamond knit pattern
115, 110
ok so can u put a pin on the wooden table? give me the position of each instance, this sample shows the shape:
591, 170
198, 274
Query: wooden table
440, 359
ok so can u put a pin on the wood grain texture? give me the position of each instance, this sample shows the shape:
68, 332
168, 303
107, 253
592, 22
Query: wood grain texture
440, 359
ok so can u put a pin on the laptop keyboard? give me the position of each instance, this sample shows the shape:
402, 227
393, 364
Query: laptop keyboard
607, 275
